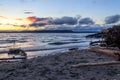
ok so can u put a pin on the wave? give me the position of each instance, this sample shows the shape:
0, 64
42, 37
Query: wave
50, 48
12, 41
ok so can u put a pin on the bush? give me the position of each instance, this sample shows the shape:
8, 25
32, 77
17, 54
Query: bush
112, 38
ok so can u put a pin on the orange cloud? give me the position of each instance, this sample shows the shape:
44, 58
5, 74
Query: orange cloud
31, 19
37, 20
19, 19
3, 17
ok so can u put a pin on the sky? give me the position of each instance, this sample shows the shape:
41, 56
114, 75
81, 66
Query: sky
46, 14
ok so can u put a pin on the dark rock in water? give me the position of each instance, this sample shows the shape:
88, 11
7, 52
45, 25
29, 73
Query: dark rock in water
58, 43
98, 43
98, 35
62, 43
17, 52
73, 49
93, 44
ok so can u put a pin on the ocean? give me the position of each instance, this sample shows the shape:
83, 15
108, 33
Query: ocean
41, 44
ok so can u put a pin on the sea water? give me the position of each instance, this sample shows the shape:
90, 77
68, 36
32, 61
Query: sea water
40, 44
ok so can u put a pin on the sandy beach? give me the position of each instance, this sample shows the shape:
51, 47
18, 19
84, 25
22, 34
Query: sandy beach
58, 67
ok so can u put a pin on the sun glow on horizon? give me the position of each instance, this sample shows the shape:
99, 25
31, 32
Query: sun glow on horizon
18, 24
19, 28
10, 28
12, 20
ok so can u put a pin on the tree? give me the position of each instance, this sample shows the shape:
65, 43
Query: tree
112, 38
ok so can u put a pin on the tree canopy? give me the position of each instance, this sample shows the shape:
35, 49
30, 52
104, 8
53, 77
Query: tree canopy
112, 38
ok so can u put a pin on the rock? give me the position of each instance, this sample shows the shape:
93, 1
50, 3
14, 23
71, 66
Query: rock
73, 49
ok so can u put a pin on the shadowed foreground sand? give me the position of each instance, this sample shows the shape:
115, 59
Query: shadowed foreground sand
58, 67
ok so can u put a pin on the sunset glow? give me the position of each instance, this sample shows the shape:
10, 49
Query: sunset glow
7, 23
59, 39
37, 14
9, 20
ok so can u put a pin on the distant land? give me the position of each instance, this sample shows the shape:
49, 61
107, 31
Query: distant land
50, 31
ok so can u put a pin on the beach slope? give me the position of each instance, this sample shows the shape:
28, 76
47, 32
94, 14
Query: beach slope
58, 67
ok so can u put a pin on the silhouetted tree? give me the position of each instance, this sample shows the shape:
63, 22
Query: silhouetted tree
112, 38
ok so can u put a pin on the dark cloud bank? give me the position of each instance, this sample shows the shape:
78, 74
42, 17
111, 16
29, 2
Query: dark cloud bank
112, 19
66, 20
70, 21
86, 21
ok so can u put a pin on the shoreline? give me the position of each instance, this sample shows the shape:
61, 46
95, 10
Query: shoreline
44, 52
58, 67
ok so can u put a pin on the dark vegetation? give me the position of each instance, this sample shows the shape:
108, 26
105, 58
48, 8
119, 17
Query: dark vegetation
111, 36
97, 35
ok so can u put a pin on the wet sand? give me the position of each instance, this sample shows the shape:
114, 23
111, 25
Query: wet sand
58, 67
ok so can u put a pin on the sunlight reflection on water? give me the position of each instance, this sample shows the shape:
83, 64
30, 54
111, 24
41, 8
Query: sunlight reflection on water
43, 43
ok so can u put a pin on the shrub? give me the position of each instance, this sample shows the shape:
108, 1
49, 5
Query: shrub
112, 38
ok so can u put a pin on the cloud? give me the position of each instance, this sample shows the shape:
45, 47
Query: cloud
86, 21
112, 19
64, 20
34, 19
28, 12
37, 24
59, 27
20, 19
31, 19
3, 17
